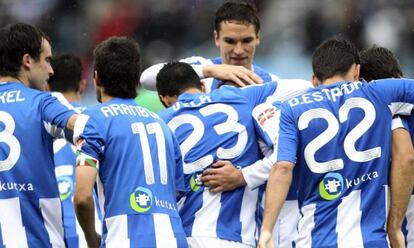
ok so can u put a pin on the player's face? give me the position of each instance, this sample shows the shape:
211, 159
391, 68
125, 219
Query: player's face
41, 69
237, 43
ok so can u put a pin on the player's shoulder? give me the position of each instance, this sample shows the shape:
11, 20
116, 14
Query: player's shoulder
294, 83
228, 93
198, 60
165, 114
264, 74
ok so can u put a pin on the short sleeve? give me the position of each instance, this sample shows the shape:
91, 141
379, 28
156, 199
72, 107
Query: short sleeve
55, 114
287, 141
90, 143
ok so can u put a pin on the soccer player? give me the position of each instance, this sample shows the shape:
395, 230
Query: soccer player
211, 128
67, 79
133, 153
30, 209
377, 63
342, 164
236, 34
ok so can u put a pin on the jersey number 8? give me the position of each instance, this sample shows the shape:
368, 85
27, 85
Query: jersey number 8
6, 136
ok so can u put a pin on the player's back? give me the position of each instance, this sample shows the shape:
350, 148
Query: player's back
342, 160
211, 127
139, 162
30, 209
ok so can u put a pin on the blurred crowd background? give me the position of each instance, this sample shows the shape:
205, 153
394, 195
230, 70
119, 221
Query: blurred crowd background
172, 29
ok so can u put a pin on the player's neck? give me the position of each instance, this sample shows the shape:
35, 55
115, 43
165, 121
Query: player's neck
336, 79
106, 98
10, 79
72, 96
193, 91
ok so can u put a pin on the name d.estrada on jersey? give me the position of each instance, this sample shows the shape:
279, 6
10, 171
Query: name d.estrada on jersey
331, 94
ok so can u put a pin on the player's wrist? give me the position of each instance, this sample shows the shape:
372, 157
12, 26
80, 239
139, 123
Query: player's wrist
240, 178
206, 71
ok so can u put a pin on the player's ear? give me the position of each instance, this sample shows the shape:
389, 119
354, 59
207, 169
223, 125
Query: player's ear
167, 101
203, 87
216, 38
315, 81
26, 61
357, 71
96, 79
258, 38
82, 86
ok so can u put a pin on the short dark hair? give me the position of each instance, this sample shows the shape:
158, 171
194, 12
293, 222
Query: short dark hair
117, 61
379, 62
334, 57
176, 77
67, 73
17, 40
241, 12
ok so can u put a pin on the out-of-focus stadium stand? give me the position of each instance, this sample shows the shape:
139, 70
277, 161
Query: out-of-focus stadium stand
172, 29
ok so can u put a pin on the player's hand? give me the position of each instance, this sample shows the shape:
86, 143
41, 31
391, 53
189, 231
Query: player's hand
95, 242
396, 238
235, 73
224, 176
265, 240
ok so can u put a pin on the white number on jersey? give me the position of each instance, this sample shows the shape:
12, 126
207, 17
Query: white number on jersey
230, 125
332, 130
6, 136
152, 128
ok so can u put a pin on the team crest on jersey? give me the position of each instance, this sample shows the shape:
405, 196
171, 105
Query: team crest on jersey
141, 199
331, 186
66, 185
195, 181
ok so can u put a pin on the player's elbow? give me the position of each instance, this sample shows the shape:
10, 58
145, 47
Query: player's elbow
283, 167
82, 198
404, 161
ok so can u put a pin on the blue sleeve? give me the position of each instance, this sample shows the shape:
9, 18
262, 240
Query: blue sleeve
258, 93
287, 143
93, 141
55, 112
398, 94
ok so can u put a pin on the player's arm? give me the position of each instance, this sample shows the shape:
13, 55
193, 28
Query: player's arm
83, 200
277, 189
401, 183
89, 144
224, 176
237, 74
148, 77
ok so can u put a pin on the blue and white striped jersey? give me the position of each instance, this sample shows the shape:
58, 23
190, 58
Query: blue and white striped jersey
139, 165
65, 162
339, 136
30, 209
210, 127
212, 83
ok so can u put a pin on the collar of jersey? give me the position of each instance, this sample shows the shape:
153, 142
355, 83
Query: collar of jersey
333, 85
188, 97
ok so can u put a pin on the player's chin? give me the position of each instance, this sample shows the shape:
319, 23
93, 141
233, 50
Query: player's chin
238, 61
